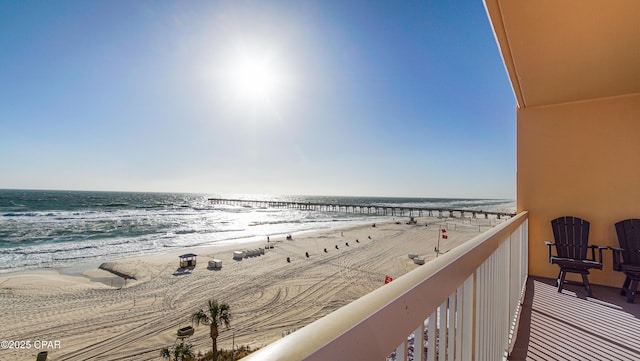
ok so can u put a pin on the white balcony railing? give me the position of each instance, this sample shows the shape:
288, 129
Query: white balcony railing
464, 304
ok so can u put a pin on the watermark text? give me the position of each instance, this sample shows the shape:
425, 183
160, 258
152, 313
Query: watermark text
30, 344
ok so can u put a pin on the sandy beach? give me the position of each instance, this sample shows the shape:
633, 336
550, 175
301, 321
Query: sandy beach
88, 313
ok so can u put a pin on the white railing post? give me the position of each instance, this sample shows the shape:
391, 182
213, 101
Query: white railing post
431, 337
418, 343
401, 351
506, 297
480, 314
468, 318
451, 334
459, 323
442, 331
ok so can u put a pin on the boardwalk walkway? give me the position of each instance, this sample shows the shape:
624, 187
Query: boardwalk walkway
364, 209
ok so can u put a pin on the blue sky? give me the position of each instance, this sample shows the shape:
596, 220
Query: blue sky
366, 98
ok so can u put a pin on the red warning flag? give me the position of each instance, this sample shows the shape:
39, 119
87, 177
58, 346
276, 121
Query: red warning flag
387, 279
444, 230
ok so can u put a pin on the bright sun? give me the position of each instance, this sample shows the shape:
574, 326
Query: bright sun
253, 80
256, 79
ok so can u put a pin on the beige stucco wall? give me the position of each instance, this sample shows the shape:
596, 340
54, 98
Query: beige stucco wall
580, 159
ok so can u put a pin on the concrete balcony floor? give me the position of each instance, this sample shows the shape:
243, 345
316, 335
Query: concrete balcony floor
572, 326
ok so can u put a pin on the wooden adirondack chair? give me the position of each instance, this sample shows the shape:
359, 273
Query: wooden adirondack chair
571, 235
627, 258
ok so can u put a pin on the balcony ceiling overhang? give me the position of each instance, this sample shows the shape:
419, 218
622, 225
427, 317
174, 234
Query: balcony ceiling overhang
561, 51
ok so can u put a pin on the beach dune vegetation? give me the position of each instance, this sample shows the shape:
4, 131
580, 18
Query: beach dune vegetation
180, 352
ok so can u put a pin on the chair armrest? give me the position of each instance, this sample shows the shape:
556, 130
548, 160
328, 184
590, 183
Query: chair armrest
617, 258
593, 253
549, 244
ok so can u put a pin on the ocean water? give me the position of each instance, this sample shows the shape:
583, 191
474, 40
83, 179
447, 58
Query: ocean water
53, 229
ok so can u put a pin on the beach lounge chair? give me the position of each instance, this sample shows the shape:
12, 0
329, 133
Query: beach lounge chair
571, 235
627, 258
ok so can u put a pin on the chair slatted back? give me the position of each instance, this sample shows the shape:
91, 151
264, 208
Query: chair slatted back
571, 235
628, 232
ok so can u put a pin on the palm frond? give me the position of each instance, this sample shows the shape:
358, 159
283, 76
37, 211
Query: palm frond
225, 314
201, 317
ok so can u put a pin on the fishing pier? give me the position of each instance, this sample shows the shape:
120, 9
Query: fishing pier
382, 210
